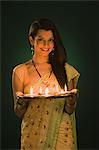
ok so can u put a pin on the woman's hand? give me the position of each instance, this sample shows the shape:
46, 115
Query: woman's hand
19, 94
70, 104
20, 104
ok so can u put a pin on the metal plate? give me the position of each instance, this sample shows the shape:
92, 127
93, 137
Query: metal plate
69, 93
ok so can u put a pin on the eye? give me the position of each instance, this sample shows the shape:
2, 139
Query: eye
40, 39
51, 40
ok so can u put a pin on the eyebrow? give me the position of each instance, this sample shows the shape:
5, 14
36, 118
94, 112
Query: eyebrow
39, 36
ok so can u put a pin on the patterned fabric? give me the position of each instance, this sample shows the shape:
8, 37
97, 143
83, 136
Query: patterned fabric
45, 125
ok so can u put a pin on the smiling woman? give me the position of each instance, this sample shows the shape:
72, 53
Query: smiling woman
46, 123
43, 43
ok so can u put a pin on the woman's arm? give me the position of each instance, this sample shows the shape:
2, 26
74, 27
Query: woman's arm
70, 101
20, 105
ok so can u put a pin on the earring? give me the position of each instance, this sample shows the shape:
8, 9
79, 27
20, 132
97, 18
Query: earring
53, 53
32, 51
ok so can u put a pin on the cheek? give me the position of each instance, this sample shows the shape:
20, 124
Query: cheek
36, 46
52, 46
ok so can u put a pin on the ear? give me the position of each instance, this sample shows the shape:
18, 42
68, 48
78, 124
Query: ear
31, 40
53, 49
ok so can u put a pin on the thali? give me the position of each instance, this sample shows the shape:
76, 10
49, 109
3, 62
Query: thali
55, 95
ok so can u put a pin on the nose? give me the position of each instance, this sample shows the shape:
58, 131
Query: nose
46, 43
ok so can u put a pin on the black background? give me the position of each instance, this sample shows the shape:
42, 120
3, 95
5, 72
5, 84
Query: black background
77, 23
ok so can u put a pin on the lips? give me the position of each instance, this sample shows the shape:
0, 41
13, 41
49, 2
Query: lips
45, 49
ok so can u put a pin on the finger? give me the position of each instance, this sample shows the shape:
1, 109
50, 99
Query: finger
19, 93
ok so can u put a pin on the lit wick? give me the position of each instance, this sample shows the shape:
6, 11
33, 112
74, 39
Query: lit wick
31, 91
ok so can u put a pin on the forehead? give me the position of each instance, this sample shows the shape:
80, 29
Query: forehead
45, 33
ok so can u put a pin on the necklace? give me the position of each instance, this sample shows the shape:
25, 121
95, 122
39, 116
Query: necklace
38, 71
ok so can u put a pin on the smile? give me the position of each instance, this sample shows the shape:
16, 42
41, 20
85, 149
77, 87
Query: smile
45, 49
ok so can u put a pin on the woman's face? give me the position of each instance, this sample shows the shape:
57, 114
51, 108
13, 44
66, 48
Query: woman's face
43, 42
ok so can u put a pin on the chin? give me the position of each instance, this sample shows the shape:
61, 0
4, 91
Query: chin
46, 53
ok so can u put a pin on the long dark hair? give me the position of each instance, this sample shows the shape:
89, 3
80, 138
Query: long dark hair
59, 58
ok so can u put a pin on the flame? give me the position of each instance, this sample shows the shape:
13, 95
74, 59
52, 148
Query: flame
46, 91
62, 91
31, 90
40, 90
65, 88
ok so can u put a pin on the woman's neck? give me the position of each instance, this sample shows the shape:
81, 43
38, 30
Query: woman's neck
40, 59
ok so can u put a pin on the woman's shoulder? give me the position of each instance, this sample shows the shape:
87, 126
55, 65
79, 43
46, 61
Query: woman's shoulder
70, 68
21, 70
21, 67
71, 71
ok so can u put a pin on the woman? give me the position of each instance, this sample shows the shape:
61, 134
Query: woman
46, 123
